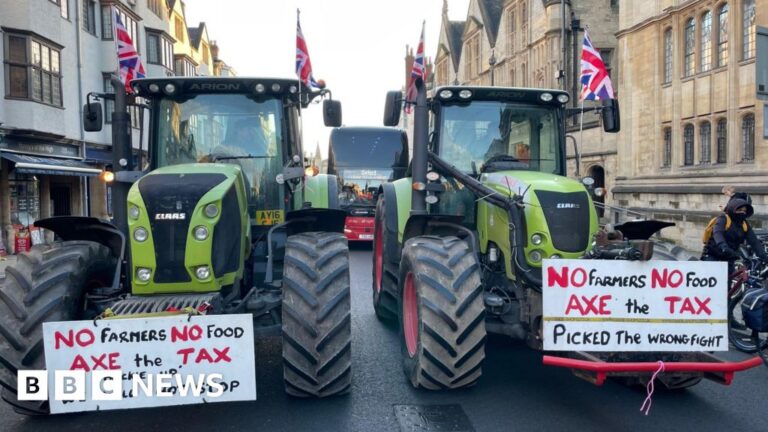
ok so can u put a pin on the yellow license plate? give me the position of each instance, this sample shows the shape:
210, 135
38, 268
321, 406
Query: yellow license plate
269, 217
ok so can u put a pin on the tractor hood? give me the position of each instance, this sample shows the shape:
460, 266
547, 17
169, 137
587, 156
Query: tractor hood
557, 208
183, 218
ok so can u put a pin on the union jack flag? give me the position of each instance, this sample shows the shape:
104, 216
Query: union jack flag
596, 84
303, 64
130, 63
417, 71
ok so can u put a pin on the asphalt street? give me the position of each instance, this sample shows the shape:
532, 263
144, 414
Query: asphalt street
516, 393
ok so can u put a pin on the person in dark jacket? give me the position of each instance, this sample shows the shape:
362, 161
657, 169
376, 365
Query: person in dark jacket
724, 243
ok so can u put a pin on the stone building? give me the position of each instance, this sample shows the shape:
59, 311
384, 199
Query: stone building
54, 52
519, 43
691, 121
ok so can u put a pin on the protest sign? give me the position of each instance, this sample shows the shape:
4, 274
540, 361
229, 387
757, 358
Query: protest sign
600, 305
170, 360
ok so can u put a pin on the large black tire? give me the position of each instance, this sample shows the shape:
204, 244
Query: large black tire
317, 329
46, 284
384, 271
442, 320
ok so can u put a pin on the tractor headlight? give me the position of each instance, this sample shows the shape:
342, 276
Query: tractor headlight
555, 256
133, 212
203, 272
201, 233
562, 98
169, 89
143, 274
546, 97
535, 256
140, 234
446, 94
465, 94
154, 88
211, 210
537, 239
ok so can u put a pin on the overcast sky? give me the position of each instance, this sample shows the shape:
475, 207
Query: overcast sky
356, 46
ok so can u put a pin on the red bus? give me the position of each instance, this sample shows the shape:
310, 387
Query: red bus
363, 158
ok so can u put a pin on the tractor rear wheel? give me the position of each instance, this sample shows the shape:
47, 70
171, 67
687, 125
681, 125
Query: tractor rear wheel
442, 324
317, 329
47, 284
384, 271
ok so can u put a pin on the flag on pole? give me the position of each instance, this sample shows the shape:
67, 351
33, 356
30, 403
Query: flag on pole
595, 82
303, 64
417, 71
129, 61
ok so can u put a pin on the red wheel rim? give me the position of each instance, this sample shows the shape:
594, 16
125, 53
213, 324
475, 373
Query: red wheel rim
410, 315
378, 256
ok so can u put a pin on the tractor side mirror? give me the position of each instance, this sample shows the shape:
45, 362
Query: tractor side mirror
332, 112
611, 116
392, 108
92, 117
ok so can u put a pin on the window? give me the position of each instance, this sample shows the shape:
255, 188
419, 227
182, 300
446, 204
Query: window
748, 138
722, 35
524, 26
206, 55
109, 105
179, 29
748, 30
89, 16
472, 67
159, 49
705, 139
34, 69
607, 56
690, 31
668, 56
185, 67
64, 4
155, 7
512, 77
705, 48
667, 161
512, 26
722, 141
688, 145
442, 71
524, 75
130, 25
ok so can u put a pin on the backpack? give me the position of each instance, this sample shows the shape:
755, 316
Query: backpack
754, 309
711, 226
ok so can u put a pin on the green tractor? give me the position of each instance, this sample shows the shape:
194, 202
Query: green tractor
221, 219
459, 243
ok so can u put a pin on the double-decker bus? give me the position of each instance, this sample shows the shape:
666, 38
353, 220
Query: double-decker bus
363, 158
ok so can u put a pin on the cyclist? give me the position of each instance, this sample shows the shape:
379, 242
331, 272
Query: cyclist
729, 232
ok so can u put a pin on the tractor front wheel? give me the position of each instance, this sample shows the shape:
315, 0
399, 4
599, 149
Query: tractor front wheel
317, 329
384, 271
47, 284
442, 319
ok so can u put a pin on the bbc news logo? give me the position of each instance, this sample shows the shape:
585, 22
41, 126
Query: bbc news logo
107, 385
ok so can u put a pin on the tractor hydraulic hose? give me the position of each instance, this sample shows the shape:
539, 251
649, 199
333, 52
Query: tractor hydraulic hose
514, 208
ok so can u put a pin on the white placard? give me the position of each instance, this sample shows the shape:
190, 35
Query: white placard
603, 305
215, 350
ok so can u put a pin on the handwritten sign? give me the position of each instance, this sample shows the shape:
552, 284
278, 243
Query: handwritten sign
599, 305
203, 359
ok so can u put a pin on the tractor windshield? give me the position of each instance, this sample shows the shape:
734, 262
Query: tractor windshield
482, 131
226, 128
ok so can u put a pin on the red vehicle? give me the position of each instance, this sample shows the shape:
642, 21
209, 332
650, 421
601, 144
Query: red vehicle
363, 158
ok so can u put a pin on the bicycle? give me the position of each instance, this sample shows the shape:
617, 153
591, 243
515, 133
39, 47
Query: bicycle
750, 273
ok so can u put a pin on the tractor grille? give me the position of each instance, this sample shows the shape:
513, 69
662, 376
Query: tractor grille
173, 194
161, 303
567, 216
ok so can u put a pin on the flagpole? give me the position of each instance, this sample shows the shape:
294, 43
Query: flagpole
298, 24
581, 126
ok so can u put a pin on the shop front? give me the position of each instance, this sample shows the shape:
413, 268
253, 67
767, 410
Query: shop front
39, 179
